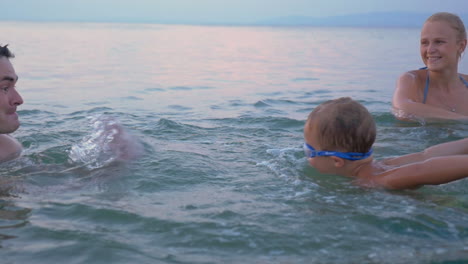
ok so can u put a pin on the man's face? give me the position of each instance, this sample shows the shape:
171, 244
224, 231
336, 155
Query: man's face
9, 97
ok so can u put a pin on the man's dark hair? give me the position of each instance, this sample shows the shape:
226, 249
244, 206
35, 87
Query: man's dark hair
5, 52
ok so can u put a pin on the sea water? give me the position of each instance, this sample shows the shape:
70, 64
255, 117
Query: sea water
211, 118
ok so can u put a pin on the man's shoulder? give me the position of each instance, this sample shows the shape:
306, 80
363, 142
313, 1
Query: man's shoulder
10, 148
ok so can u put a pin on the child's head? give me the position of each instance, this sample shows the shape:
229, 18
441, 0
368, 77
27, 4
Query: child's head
340, 125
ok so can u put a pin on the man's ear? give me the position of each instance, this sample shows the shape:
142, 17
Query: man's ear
338, 162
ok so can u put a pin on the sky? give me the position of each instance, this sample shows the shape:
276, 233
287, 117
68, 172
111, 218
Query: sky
211, 11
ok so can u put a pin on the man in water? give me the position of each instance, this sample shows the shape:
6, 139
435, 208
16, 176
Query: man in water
10, 99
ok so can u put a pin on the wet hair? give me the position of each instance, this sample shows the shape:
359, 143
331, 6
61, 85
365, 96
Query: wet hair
5, 52
453, 20
343, 125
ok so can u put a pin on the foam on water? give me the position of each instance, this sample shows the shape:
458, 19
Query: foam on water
107, 142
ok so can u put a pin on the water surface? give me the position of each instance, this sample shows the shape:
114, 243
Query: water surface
218, 114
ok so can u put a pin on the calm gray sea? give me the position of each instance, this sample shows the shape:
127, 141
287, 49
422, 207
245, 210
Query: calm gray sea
216, 116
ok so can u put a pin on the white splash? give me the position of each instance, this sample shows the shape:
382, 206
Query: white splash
108, 142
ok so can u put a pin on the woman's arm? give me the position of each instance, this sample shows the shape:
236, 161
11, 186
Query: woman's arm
457, 147
434, 171
408, 106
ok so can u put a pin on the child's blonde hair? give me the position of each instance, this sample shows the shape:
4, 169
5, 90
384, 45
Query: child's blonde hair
343, 125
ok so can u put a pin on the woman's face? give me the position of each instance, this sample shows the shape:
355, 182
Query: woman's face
439, 46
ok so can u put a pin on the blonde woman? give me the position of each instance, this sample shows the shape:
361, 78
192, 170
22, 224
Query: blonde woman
436, 91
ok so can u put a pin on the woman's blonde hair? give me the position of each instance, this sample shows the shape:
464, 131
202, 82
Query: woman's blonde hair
453, 20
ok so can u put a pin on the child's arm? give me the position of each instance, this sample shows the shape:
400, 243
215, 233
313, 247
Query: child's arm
433, 171
458, 147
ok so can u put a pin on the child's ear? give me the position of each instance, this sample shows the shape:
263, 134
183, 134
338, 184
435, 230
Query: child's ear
338, 162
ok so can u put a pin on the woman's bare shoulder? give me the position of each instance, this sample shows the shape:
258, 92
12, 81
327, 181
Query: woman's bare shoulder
410, 86
414, 76
464, 76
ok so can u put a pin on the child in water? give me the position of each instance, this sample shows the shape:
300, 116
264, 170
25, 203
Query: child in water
339, 135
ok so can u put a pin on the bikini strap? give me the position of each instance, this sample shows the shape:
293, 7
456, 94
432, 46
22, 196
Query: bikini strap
426, 88
464, 81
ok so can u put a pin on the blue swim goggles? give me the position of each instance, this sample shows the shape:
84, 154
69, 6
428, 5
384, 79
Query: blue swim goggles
311, 152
